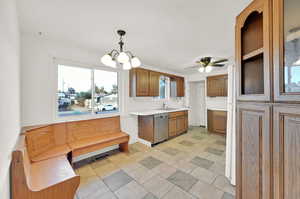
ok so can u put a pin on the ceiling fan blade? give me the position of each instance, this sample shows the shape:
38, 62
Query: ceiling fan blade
218, 65
220, 61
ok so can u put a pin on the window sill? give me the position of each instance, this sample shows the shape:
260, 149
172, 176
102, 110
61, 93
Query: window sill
86, 116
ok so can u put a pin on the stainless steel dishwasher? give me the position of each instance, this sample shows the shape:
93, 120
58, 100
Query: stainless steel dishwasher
161, 127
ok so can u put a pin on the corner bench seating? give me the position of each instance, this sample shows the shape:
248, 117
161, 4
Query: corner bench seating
41, 161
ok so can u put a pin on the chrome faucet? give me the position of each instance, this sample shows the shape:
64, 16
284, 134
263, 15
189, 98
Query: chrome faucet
164, 105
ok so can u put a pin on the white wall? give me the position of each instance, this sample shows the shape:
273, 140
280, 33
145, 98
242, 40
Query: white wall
10, 88
39, 82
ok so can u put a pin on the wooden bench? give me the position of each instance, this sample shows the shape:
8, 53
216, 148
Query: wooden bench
92, 135
41, 163
47, 179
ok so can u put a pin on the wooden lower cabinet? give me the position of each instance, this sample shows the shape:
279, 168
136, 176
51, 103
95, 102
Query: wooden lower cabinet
253, 152
286, 151
180, 125
217, 121
146, 127
172, 127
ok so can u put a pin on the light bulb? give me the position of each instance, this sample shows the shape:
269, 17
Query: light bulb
135, 62
113, 64
201, 69
127, 66
208, 69
123, 58
106, 59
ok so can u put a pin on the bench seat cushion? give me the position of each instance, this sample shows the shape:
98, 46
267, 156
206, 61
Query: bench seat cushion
90, 144
56, 151
49, 172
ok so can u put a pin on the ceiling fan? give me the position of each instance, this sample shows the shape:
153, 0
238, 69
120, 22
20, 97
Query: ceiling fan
206, 64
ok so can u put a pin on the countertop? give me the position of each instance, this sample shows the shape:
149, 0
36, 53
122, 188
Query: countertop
154, 112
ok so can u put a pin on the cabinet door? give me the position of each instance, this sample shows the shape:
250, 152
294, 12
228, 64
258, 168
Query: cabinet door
217, 121
146, 127
253, 143
220, 122
172, 127
253, 52
142, 82
286, 50
286, 152
180, 87
186, 122
217, 85
180, 125
154, 83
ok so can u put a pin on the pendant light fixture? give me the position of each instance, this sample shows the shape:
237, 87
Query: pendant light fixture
121, 58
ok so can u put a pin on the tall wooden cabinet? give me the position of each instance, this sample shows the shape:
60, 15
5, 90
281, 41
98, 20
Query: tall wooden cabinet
268, 100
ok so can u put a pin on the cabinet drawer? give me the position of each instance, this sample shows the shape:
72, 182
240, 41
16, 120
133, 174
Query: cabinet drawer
177, 114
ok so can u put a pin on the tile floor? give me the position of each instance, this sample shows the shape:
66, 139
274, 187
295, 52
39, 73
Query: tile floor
189, 166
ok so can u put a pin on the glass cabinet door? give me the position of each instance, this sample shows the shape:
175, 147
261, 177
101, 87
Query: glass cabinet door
291, 21
287, 50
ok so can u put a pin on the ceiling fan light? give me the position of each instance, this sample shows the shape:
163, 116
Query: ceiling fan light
208, 69
135, 62
106, 59
201, 69
127, 66
123, 58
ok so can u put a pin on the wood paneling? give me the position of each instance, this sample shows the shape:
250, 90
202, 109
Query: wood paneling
154, 83
217, 121
286, 149
217, 85
146, 127
253, 152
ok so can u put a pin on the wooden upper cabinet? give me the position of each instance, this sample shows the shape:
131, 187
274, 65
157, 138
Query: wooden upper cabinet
217, 85
253, 52
253, 142
142, 82
180, 86
154, 78
286, 151
286, 48
146, 83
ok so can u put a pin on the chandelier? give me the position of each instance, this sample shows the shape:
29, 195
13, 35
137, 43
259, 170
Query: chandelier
121, 58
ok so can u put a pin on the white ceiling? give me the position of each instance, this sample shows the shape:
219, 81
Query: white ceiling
164, 33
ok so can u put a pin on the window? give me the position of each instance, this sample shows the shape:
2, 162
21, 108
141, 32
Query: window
163, 87
77, 86
106, 91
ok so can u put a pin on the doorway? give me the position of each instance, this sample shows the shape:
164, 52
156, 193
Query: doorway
197, 101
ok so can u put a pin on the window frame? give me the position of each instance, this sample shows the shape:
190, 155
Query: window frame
91, 67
